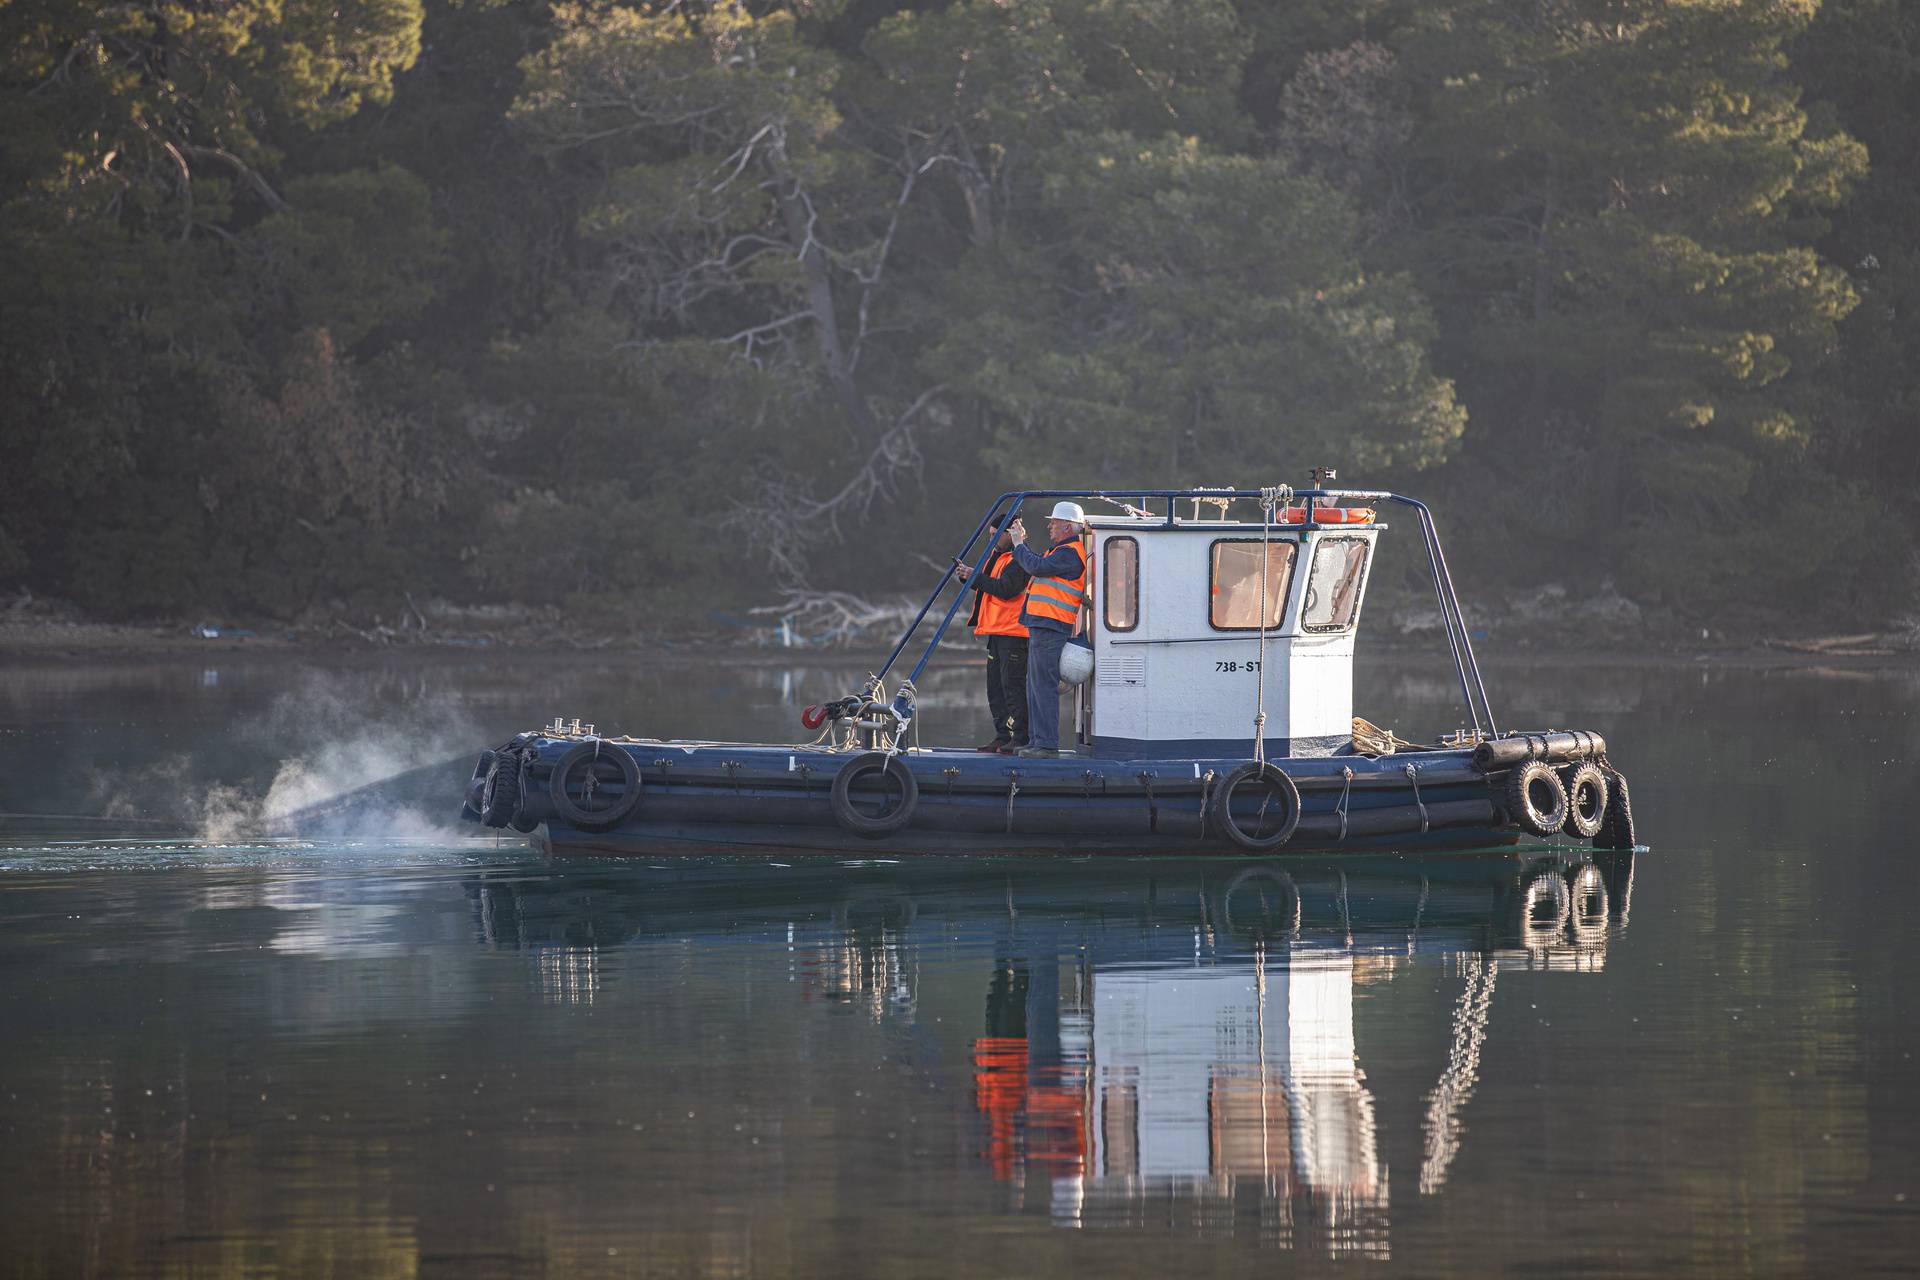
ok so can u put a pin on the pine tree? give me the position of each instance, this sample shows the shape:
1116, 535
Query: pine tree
1616, 205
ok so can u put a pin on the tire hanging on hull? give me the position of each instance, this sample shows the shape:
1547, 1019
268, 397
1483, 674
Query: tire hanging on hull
889, 768
1536, 798
1278, 816
1616, 830
579, 788
502, 794
477, 786
1586, 800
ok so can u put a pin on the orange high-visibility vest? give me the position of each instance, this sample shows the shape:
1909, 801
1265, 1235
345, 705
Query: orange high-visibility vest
1058, 599
1000, 617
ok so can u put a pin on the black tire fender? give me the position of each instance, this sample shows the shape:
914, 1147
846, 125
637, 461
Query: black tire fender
1535, 797
1586, 790
1275, 831
477, 786
1616, 831
874, 826
502, 794
578, 788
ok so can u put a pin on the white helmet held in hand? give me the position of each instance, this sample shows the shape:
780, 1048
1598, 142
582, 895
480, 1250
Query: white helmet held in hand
1076, 658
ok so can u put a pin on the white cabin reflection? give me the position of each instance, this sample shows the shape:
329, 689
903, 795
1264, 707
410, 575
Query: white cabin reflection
1241, 1076
1215, 1097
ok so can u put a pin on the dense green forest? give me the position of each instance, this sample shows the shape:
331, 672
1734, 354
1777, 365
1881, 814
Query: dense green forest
649, 309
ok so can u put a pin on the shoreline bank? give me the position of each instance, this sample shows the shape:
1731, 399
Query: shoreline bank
60, 642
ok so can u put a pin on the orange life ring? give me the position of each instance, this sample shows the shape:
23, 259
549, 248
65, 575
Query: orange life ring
1328, 515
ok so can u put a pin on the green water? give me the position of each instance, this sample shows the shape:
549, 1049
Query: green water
436, 1054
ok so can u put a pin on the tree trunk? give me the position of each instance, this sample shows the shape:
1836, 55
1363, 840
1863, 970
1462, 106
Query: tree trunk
826, 322
978, 194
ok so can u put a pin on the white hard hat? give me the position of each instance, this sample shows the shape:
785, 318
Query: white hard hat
1076, 661
1068, 511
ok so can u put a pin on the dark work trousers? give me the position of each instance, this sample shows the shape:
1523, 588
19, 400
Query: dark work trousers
1007, 688
1043, 685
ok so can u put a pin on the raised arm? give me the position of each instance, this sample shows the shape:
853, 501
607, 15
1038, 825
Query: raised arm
1061, 562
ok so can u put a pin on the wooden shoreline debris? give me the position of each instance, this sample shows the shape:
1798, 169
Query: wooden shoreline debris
1852, 646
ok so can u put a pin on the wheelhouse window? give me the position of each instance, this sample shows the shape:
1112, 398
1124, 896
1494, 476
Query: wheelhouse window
1233, 587
1334, 584
1120, 582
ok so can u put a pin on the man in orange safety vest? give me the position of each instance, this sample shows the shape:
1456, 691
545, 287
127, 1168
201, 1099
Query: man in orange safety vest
1054, 600
996, 619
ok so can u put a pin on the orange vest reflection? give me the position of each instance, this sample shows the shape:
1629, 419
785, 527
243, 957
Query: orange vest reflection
1034, 1122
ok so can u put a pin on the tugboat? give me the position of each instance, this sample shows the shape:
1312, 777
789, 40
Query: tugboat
1217, 715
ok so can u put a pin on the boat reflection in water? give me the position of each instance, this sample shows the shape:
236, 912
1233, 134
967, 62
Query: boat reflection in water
1223, 1092
1166, 1044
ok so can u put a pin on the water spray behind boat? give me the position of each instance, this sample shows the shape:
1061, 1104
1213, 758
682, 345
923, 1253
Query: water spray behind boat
324, 763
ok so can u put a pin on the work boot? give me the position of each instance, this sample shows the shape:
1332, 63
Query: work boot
1038, 753
996, 747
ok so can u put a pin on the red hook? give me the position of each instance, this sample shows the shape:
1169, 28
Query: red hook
813, 717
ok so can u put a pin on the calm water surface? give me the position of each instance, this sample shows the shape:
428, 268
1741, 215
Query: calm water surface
428, 1054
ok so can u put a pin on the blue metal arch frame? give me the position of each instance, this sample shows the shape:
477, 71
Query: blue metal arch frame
1005, 507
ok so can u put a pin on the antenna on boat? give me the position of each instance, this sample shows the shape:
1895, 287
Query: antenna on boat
1320, 476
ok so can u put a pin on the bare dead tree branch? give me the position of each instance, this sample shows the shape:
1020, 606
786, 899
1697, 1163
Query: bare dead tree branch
870, 280
247, 173
186, 189
788, 524
839, 617
744, 157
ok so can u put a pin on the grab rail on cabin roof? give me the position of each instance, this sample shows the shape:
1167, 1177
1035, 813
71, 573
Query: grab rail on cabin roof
1453, 622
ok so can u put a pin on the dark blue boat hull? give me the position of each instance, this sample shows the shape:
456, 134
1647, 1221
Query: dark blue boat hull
713, 798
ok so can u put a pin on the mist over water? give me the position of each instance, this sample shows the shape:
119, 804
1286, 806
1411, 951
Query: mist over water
328, 735
388, 1054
